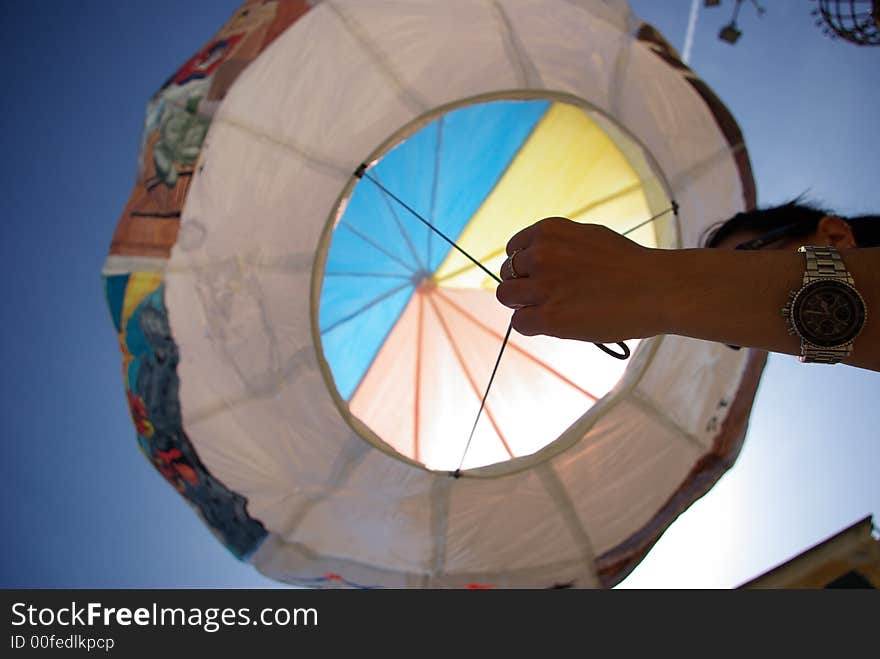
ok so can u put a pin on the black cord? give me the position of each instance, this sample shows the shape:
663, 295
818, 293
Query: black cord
457, 472
625, 351
362, 173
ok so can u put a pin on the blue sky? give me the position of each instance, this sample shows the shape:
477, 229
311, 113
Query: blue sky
83, 508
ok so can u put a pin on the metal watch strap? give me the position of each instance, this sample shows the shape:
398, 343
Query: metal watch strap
824, 263
814, 355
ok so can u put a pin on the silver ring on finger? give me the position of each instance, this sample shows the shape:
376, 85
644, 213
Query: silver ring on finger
513, 273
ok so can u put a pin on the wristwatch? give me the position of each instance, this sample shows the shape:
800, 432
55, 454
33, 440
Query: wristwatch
827, 312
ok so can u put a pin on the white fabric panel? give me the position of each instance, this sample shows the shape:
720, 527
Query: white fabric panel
616, 12
573, 52
675, 125
623, 472
122, 265
666, 114
432, 46
297, 564
248, 200
272, 448
506, 524
713, 198
242, 332
254, 402
381, 516
704, 377
316, 88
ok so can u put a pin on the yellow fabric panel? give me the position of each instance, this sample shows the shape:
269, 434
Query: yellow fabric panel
568, 167
140, 285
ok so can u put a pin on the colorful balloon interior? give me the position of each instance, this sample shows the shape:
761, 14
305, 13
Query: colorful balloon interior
411, 328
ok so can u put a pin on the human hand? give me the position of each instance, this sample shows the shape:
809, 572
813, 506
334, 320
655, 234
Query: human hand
581, 281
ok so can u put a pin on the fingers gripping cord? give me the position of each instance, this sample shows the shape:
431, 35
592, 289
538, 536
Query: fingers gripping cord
624, 353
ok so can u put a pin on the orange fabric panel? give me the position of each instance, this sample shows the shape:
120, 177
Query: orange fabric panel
385, 400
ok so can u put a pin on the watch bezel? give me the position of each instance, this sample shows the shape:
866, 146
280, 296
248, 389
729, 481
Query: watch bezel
805, 334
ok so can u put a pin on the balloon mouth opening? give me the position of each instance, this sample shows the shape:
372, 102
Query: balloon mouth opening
407, 322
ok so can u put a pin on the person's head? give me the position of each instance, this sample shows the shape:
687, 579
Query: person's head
791, 225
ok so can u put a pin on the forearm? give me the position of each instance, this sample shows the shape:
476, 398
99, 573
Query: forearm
736, 297
585, 282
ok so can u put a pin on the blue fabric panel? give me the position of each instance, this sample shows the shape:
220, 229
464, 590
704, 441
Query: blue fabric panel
467, 151
350, 252
352, 337
477, 145
114, 288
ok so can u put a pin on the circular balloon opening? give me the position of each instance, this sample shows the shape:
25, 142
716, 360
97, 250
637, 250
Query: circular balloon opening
409, 326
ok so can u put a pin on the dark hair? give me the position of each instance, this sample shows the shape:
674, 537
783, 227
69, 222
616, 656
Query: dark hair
803, 217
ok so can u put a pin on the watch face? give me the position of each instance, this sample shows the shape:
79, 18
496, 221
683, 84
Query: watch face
828, 313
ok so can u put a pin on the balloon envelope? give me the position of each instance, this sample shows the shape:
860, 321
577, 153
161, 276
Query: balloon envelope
305, 358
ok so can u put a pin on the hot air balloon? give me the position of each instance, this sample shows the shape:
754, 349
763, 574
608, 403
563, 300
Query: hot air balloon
302, 284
